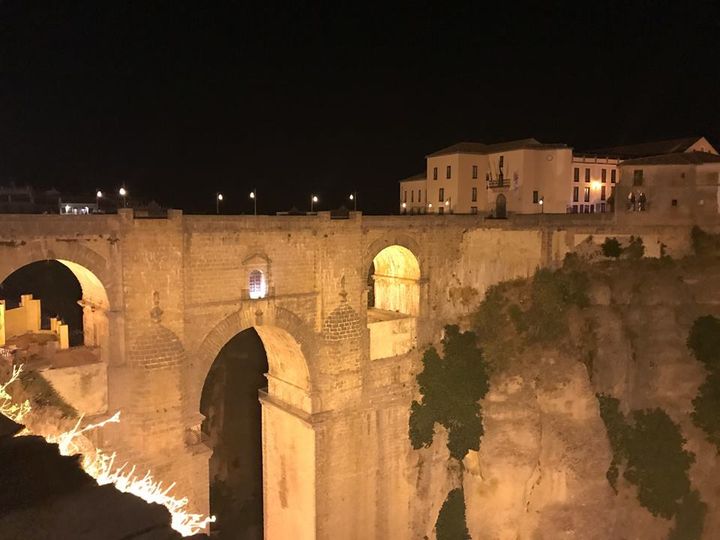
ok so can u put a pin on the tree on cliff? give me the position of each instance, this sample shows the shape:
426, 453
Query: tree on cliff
451, 387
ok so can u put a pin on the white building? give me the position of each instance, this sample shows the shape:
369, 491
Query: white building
526, 177
475, 178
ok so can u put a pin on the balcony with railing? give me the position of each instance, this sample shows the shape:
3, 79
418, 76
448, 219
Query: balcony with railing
500, 182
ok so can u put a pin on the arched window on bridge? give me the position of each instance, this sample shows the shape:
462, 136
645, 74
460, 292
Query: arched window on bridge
257, 286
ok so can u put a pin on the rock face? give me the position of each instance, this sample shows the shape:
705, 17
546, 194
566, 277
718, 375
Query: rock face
46, 496
541, 469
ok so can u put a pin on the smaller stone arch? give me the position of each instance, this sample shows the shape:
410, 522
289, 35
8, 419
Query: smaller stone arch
396, 277
403, 240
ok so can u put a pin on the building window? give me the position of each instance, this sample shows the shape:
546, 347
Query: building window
412, 195
441, 195
602, 207
613, 177
441, 209
434, 173
587, 194
576, 194
405, 196
587, 175
419, 195
602, 193
674, 202
475, 172
638, 177
603, 175
448, 172
536, 197
576, 174
473, 210
256, 284
474, 194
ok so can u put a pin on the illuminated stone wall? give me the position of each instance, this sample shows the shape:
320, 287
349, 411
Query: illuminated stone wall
337, 461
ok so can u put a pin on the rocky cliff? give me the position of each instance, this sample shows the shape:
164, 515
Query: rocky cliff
556, 343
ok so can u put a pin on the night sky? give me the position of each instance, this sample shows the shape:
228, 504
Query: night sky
179, 100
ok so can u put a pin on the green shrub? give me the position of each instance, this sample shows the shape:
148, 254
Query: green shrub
706, 408
704, 341
490, 318
689, 519
552, 293
451, 523
705, 244
617, 429
44, 394
611, 248
648, 452
451, 388
635, 249
657, 463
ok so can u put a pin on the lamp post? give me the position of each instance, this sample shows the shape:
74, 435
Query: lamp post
218, 199
448, 203
123, 193
313, 200
253, 196
542, 205
98, 196
353, 198
404, 207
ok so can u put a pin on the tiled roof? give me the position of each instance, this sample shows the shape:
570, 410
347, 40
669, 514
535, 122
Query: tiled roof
678, 158
482, 148
414, 177
656, 148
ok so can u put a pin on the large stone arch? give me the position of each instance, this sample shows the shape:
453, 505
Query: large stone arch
290, 346
101, 292
288, 437
90, 268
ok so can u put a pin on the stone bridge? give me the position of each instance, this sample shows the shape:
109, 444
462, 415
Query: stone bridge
343, 308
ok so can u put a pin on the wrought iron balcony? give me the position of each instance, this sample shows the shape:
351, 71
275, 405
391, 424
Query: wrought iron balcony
498, 183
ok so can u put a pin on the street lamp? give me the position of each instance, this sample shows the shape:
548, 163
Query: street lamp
404, 207
253, 196
98, 196
542, 205
353, 198
123, 193
218, 199
313, 200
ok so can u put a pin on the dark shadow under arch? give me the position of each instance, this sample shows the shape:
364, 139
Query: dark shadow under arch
233, 428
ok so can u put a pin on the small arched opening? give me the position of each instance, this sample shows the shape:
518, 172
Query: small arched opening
55, 302
256, 445
393, 301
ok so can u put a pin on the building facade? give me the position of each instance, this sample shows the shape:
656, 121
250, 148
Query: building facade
593, 181
678, 187
496, 179
526, 177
